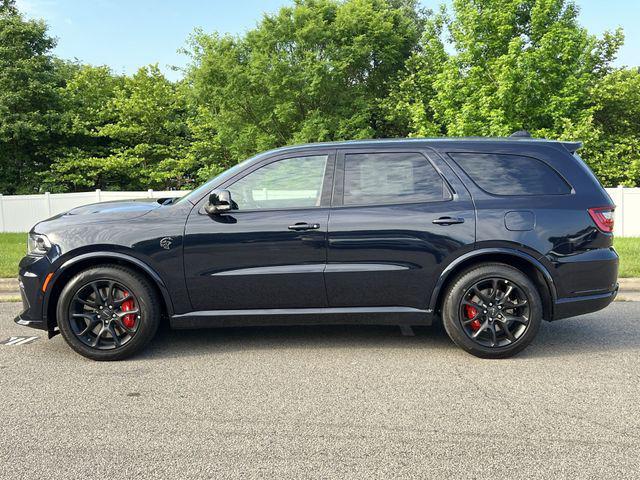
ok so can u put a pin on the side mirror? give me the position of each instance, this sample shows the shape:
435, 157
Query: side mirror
219, 202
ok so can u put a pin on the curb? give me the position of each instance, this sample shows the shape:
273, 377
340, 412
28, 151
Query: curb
9, 285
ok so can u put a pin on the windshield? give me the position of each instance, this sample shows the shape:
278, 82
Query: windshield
208, 185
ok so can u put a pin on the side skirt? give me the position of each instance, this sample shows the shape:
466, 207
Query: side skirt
303, 316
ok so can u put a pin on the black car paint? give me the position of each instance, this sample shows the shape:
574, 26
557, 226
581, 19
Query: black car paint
382, 263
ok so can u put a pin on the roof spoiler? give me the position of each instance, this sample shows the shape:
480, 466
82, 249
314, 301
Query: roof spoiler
573, 147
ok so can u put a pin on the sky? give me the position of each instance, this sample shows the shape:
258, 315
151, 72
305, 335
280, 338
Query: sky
126, 35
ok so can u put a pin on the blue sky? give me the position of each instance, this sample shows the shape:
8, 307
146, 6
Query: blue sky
128, 34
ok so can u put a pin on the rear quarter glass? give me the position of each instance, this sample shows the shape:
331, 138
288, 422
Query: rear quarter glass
596, 182
511, 174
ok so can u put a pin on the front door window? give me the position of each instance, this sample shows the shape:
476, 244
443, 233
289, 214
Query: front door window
291, 183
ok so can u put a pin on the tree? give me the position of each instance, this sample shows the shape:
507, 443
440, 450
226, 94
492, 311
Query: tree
316, 71
522, 65
611, 130
123, 133
29, 101
516, 65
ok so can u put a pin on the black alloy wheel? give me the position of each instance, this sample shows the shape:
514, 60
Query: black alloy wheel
104, 314
492, 310
108, 312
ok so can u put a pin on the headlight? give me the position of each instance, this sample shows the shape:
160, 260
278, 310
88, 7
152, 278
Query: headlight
38, 244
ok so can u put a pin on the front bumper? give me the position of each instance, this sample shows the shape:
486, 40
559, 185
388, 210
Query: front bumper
33, 271
570, 307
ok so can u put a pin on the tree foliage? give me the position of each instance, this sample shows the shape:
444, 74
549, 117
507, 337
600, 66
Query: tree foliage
29, 99
130, 133
317, 70
522, 65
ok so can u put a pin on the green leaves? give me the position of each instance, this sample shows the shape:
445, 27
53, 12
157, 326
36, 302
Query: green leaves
124, 133
28, 99
514, 65
318, 70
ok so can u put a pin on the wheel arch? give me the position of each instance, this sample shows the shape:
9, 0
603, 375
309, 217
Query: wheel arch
524, 262
88, 260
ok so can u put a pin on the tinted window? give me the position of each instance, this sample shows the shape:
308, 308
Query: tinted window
378, 178
511, 174
290, 183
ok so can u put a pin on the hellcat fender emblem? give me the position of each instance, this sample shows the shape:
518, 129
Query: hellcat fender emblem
166, 242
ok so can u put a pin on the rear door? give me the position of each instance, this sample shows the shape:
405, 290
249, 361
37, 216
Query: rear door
398, 217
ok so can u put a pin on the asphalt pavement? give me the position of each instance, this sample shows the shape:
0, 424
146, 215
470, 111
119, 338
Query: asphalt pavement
325, 402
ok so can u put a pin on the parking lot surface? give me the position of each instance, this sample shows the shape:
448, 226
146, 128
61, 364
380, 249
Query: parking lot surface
325, 402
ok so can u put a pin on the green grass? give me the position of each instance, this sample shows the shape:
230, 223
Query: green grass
629, 251
13, 247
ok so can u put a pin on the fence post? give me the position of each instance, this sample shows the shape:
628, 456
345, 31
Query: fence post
98, 191
47, 203
620, 211
1, 214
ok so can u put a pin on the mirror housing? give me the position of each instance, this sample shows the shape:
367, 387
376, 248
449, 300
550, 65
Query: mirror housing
219, 202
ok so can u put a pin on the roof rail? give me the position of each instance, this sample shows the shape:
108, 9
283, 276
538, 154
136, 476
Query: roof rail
521, 133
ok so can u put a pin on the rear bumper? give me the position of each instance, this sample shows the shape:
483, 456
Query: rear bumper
570, 307
585, 282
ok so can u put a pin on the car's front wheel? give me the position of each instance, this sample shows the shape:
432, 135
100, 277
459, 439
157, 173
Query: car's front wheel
492, 310
108, 312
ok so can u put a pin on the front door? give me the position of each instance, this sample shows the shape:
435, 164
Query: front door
398, 218
270, 252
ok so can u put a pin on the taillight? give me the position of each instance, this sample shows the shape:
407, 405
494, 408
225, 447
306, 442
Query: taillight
603, 218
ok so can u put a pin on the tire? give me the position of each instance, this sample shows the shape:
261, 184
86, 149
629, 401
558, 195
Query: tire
501, 332
142, 297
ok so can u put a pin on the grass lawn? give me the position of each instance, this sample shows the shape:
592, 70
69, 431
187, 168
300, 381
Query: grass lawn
13, 247
629, 251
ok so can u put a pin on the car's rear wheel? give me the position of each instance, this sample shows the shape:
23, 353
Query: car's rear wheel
108, 312
492, 310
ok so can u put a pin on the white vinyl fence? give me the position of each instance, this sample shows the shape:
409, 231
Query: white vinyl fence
627, 201
18, 213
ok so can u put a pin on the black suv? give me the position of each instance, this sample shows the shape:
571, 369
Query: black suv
489, 235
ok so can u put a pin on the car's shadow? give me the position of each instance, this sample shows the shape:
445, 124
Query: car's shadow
177, 343
615, 329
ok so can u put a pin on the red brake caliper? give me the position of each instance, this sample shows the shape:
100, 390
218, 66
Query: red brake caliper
471, 312
128, 320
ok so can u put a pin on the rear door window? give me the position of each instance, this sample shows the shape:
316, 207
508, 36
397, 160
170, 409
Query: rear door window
384, 178
505, 174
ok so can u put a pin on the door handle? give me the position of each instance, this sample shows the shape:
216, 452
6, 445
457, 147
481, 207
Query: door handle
304, 226
448, 220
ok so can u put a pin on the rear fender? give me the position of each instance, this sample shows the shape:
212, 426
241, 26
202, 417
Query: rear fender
468, 258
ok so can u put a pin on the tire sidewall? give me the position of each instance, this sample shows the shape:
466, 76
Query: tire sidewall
451, 318
147, 303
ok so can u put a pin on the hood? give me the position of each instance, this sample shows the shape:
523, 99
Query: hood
116, 211
99, 223
122, 210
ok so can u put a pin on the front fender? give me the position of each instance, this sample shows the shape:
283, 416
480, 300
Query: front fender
101, 256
